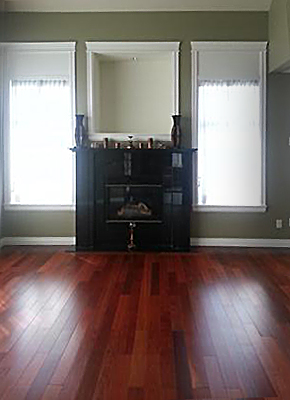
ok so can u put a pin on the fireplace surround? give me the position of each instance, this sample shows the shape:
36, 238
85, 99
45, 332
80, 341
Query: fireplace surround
133, 198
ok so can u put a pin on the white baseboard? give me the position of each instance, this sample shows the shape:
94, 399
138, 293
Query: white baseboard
239, 242
207, 242
37, 241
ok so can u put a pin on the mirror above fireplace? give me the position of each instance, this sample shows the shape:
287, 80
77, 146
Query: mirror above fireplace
133, 89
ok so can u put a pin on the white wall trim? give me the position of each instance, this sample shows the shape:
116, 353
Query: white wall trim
1, 136
239, 242
125, 49
263, 113
37, 241
232, 46
231, 209
175, 79
206, 242
90, 92
194, 95
129, 47
39, 207
134, 5
41, 46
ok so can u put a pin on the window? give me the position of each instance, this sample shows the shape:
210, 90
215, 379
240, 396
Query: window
40, 135
40, 171
229, 98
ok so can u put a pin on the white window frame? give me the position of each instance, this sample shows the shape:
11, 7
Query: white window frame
32, 48
1, 130
257, 47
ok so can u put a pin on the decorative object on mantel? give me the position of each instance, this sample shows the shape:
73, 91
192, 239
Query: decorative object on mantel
81, 136
176, 131
150, 143
130, 140
160, 145
106, 143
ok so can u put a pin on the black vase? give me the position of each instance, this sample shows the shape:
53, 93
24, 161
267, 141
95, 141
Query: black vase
176, 131
81, 136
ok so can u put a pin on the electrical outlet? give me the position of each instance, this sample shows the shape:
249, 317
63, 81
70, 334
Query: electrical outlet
279, 223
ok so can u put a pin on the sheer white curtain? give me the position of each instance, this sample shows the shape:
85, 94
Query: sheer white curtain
229, 143
41, 167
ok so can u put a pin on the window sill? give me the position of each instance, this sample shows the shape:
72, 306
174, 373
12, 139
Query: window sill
36, 207
234, 209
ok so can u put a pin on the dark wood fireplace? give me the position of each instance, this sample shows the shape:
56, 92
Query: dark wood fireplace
136, 197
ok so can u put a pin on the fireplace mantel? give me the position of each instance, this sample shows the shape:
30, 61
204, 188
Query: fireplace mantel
142, 194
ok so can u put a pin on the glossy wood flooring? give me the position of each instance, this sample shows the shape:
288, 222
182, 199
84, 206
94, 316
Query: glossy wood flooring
211, 324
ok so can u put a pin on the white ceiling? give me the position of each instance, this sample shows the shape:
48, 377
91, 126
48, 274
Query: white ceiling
136, 5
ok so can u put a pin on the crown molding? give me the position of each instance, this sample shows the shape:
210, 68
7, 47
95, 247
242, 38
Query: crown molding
39, 46
135, 5
131, 47
229, 46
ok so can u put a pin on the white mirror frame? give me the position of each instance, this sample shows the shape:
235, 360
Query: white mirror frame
128, 48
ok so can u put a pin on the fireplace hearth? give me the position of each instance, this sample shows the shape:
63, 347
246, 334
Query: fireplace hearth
133, 199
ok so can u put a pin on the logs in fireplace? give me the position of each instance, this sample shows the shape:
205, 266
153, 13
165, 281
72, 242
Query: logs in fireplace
133, 198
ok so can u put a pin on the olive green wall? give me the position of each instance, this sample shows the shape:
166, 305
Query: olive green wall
279, 47
157, 26
1, 24
37, 223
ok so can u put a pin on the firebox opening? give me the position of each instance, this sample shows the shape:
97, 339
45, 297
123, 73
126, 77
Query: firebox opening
134, 203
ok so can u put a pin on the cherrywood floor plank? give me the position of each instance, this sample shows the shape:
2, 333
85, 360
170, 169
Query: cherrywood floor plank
51, 392
182, 372
213, 324
24, 382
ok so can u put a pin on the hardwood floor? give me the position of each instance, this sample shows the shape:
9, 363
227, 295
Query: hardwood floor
211, 324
